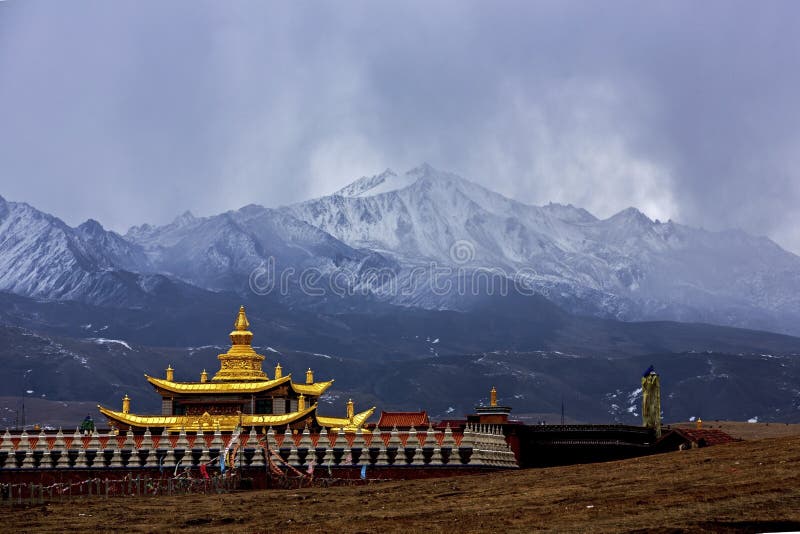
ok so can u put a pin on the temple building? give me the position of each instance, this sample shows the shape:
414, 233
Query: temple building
239, 394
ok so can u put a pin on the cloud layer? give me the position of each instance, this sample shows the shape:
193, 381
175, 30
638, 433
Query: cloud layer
133, 112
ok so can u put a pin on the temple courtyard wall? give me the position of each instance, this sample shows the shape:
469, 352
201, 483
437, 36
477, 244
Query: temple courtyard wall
258, 456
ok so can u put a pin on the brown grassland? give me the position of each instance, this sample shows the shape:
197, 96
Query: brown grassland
745, 486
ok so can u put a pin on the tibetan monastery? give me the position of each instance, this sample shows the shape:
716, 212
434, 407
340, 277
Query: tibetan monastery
240, 394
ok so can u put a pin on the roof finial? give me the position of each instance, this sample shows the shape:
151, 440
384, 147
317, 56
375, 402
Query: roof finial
241, 335
493, 397
241, 320
241, 362
350, 410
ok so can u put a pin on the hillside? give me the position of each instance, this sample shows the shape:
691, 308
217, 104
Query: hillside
740, 487
396, 358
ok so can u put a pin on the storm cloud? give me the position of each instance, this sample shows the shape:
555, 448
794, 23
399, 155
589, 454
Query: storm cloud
132, 112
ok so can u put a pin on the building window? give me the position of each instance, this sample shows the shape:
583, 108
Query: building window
263, 405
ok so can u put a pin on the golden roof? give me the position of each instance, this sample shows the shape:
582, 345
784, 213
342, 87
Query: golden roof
240, 373
343, 423
205, 422
208, 422
217, 387
316, 389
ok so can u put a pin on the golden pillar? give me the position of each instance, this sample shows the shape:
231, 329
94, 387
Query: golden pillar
493, 397
309, 376
204, 376
301, 403
278, 371
651, 402
126, 404
699, 424
170, 373
350, 410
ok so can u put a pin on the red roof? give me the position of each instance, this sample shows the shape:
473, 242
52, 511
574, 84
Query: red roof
403, 419
709, 437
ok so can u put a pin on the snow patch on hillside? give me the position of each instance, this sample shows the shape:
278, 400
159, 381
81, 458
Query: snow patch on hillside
104, 341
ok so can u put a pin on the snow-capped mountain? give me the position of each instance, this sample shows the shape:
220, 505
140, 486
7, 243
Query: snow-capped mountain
224, 251
626, 266
40, 256
424, 238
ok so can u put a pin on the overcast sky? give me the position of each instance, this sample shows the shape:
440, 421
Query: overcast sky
132, 112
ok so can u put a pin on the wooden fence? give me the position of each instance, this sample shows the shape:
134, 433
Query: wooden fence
30, 493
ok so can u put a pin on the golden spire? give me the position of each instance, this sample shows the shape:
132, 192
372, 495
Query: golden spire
309, 376
126, 404
170, 373
241, 335
301, 403
204, 376
240, 362
278, 372
350, 410
493, 397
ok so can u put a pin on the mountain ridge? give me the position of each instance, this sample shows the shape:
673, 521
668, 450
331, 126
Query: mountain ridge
626, 267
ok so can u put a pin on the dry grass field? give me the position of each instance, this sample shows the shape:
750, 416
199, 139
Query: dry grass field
744, 486
749, 431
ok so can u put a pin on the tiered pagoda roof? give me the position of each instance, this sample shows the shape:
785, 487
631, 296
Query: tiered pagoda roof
241, 380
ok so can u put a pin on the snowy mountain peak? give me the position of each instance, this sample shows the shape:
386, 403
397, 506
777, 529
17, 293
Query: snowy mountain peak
424, 169
184, 218
366, 185
631, 215
388, 181
569, 213
91, 227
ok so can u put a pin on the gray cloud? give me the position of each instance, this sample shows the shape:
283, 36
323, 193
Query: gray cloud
133, 112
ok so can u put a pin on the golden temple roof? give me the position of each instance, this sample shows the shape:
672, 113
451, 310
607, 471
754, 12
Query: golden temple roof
216, 387
316, 389
240, 373
343, 423
206, 421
